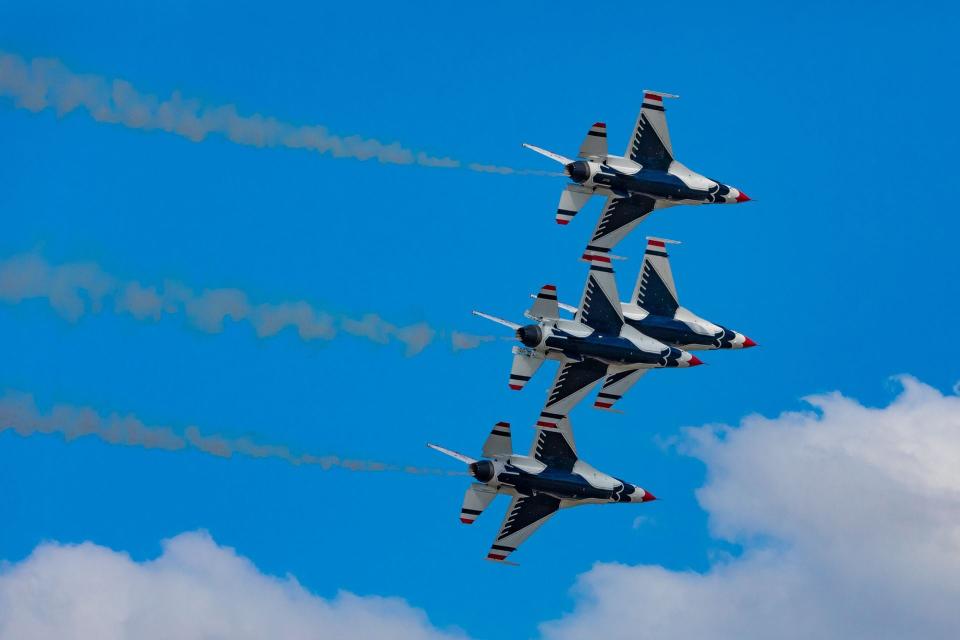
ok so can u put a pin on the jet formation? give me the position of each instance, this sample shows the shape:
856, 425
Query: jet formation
605, 339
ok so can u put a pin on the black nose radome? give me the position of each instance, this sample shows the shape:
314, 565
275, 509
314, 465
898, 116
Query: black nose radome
482, 470
578, 171
530, 335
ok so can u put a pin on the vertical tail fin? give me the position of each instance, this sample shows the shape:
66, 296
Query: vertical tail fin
655, 290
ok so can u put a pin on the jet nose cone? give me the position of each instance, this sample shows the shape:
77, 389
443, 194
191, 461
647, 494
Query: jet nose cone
742, 197
694, 361
747, 343
638, 494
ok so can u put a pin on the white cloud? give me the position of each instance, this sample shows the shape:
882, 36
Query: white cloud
195, 590
849, 519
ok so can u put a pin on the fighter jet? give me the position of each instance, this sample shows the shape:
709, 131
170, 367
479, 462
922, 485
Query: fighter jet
550, 478
654, 310
597, 343
645, 178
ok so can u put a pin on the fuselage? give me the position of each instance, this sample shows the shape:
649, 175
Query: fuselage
677, 184
576, 341
527, 476
685, 330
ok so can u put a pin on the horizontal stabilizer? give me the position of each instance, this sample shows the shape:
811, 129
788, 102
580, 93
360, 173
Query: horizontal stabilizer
498, 442
572, 199
525, 365
546, 304
477, 498
561, 305
594, 145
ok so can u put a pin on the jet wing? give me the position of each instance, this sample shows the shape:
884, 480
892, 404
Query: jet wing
524, 516
619, 216
600, 304
554, 446
650, 145
574, 381
615, 386
655, 290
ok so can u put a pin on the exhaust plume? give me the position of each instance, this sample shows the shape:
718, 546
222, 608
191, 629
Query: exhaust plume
19, 413
39, 84
76, 289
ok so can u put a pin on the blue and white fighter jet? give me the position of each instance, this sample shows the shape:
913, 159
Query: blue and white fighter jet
647, 177
551, 477
654, 309
598, 343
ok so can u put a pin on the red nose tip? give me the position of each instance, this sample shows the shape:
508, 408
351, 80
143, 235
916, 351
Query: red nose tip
743, 197
694, 361
648, 497
747, 343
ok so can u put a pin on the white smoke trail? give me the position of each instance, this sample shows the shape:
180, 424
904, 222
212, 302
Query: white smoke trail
38, 84
75, 289
19, 413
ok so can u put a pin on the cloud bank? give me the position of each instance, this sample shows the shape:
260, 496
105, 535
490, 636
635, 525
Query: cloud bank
76, 289
848, 518
19, 413
195, 590
849, 521
39, 84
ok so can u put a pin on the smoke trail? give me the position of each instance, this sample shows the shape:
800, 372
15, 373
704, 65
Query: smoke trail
19, 413
46, 83
75, 289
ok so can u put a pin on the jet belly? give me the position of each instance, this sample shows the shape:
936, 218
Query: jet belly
609, 349
656, 184
559, 484
672, 331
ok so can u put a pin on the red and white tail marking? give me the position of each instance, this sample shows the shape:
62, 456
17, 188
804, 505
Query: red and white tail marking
655, 98
548, 292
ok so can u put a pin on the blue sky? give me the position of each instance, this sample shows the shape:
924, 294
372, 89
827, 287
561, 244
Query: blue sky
834, 118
